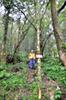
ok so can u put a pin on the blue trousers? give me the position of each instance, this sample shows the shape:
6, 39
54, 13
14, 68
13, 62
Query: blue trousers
32, 63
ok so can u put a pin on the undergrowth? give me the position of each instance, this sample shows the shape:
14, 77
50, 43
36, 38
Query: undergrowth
55, 70
9, 80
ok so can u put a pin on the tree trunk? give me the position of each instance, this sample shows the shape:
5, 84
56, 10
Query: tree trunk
57, 33
39, 35
22, 37
5, 36
44, 42
5, 31
11, 43
39, 62
19, 43
19, 31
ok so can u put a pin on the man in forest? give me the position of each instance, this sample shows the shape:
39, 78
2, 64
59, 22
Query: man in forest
32, 60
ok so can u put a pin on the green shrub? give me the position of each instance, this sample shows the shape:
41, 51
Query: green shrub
58, 94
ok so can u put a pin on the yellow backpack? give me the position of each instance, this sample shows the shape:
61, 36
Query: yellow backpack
31, 55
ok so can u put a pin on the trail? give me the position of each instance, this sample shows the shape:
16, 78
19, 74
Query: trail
50, 85
47, 91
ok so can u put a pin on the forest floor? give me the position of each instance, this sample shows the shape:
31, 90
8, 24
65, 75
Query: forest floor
50, 85
18, 82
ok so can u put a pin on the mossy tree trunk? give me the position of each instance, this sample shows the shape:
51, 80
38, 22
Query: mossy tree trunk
6, 22
57, 33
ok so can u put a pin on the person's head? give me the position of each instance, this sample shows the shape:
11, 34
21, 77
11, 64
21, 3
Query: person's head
32, 51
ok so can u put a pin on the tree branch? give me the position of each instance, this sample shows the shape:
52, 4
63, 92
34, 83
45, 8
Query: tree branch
22, 38
25, 16
44, 42
62, 7
44, 13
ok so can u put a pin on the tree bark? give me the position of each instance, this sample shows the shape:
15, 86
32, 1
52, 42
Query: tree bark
19, 32
5, 30
57, 32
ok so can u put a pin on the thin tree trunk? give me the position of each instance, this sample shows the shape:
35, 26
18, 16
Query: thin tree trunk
19, 31
5, 36
21, 39
39, 63
43, 43
37, 18
19, 43
11, 43
57, 33
5, 30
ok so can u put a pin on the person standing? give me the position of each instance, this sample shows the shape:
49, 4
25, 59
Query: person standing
32, 60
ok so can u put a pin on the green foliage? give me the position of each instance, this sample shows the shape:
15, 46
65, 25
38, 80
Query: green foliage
13, 80
8, 3
58, 94
4, 74
23, 57
33, 97
53, 68
64, 46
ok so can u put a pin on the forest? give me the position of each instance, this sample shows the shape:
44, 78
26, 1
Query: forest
32, 49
